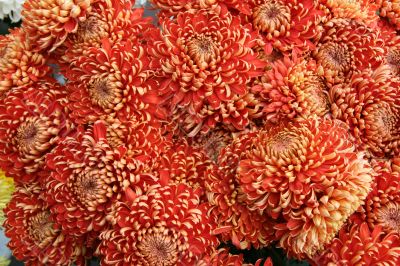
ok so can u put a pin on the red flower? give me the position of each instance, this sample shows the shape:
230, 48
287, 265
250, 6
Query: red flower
223, 257
286, 25
308, 176
19, 65
390, 9
206, 60
370, 105
111, 81
32, 119
236, 223
347, 46
360, 246
48, 22
293, 89
35, 237
114, 20
166, 226
93, 169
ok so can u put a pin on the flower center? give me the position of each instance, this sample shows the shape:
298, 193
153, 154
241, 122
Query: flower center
90, 28
202, 49
41, 229
389, 216
30, 136
384, 121
103, 93
159, 248
335, 57
313, 97
272, 18
393, 59
283, 142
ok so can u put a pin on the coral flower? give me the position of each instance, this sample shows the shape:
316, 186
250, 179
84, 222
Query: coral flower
48, 22
35, 237
206, 60
114, 20
91, 170
361, 246
32, 120
19, 65
110, 81
293, 89
307, 175
286, 25
223, 257
347, 46
166, 226
370, 105
245, 228
390, 9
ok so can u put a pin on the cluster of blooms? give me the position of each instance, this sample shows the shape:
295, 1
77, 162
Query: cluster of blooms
251, 123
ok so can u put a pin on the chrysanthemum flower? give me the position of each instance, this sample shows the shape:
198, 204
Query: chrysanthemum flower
382, 206
370, 105
347, 46
361, 246
6, 189
19, 65
48, 22
35, 237
396, 164
293, 89
166, 226
32, 119
113, 20
307, 175
364, 11
236, 223
286, 25
111, 81
206, 60
183, 164
223, 257
91, 170
390, 9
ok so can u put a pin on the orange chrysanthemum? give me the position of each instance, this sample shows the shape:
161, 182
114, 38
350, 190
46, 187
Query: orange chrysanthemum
113, 20
390, 9
223, 257
183, 164
361, 246
236, 223
206, 60
307, 175
48, 22
286, 25
35, 237
347, 46
293, 89
19, 65
370, 105
91, 170
382, 206
112, 81
32, 120
166, 226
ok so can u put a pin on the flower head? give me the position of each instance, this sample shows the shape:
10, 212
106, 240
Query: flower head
35, 237
206, 60
347, 46
360, 245
19, 65
301, 173
370, 105
390, 9
92, 169
286, 25
48, 22
32, 120
166, 226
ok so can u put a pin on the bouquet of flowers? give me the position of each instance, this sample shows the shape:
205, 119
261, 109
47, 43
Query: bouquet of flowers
221, 127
